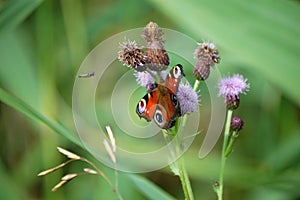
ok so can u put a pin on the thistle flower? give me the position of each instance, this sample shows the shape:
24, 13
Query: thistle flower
231, 87
157, 58
207, 55
132, 55
236, 124
188, 99
144, 79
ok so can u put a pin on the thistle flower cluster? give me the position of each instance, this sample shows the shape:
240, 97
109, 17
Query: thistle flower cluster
151, 65
155, 56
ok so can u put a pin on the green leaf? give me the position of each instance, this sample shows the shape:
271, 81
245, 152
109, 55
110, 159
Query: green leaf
17, 65
260, 36
14, 12
149, 189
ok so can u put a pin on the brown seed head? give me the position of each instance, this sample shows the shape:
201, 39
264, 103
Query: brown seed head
208, 53
153, 33
132, 55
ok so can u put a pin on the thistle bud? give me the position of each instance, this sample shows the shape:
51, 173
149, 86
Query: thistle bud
201, 70
236, 124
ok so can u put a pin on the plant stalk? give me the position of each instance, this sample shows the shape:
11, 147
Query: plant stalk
185, 182
224, 157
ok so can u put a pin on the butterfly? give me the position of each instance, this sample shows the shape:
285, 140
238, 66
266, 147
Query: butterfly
161, 103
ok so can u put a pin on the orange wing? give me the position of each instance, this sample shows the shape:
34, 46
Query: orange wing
161, 103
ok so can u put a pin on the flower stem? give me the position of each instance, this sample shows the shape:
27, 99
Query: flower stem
183, 175
231, 142
196, 85
185, 182
223, 159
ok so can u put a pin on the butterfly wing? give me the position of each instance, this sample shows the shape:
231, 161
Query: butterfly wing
167, 110
147, 105
161, 103
173, 78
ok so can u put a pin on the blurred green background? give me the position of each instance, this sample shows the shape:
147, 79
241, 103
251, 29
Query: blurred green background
42, 44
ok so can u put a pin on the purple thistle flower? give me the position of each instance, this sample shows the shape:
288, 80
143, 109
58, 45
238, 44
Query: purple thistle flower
187, 98
233, 86
144, 79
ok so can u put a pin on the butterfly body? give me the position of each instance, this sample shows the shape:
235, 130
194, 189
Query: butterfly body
161, 103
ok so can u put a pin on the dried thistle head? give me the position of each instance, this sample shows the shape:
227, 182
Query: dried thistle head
132, 55
207, 55
207, 52
153, 33
157, 58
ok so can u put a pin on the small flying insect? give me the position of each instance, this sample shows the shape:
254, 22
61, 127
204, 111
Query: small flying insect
86, 75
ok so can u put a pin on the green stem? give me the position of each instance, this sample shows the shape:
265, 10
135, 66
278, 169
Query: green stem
196, 85
183, 175
185, 182
231, 142
223, 159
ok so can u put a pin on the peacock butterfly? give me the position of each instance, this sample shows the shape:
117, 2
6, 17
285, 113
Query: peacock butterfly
161, 103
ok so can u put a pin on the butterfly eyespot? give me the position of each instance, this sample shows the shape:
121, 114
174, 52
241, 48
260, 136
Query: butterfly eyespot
142, 106
177, 71
158, 117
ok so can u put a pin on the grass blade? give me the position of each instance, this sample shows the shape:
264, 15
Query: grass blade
36, 116
14, 12
149, 189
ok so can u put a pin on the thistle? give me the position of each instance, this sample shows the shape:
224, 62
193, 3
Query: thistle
207, 55
157, 58
231, 87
